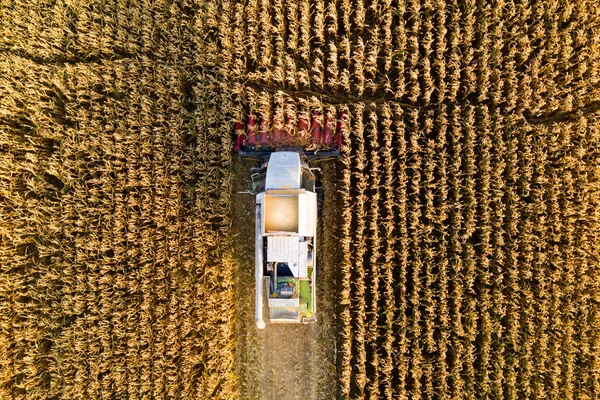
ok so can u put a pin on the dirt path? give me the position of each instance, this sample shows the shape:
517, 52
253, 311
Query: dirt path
285, 361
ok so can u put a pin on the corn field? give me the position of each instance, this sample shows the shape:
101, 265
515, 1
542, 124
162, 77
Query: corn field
117, 273
466, 244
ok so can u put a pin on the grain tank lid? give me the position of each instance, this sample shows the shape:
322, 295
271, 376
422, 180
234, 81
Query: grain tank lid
284, 171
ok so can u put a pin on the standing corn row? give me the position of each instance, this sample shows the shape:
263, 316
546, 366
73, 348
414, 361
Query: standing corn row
415, 262
304, 44
389, 300
498, 273
470, 220
291, 44
386, 51
374, 265
412, 49
441, 226
346, 275
402, 254
372, 48
399, 44
455, 250
317, 68
359, 250
426, 39
512, 171
540, 270
484, 149
555, 258
526, 249
428, 302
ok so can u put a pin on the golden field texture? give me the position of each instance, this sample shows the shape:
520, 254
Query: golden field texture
463, 256
116, 266
469, 195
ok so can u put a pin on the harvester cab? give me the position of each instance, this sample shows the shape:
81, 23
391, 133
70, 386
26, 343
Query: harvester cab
287, 201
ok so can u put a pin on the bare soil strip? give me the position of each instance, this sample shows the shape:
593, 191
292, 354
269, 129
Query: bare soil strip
285, 361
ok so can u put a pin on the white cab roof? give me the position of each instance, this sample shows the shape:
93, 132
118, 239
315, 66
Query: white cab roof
283, 171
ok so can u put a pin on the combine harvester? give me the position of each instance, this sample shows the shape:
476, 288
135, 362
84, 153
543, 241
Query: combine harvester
287, 205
